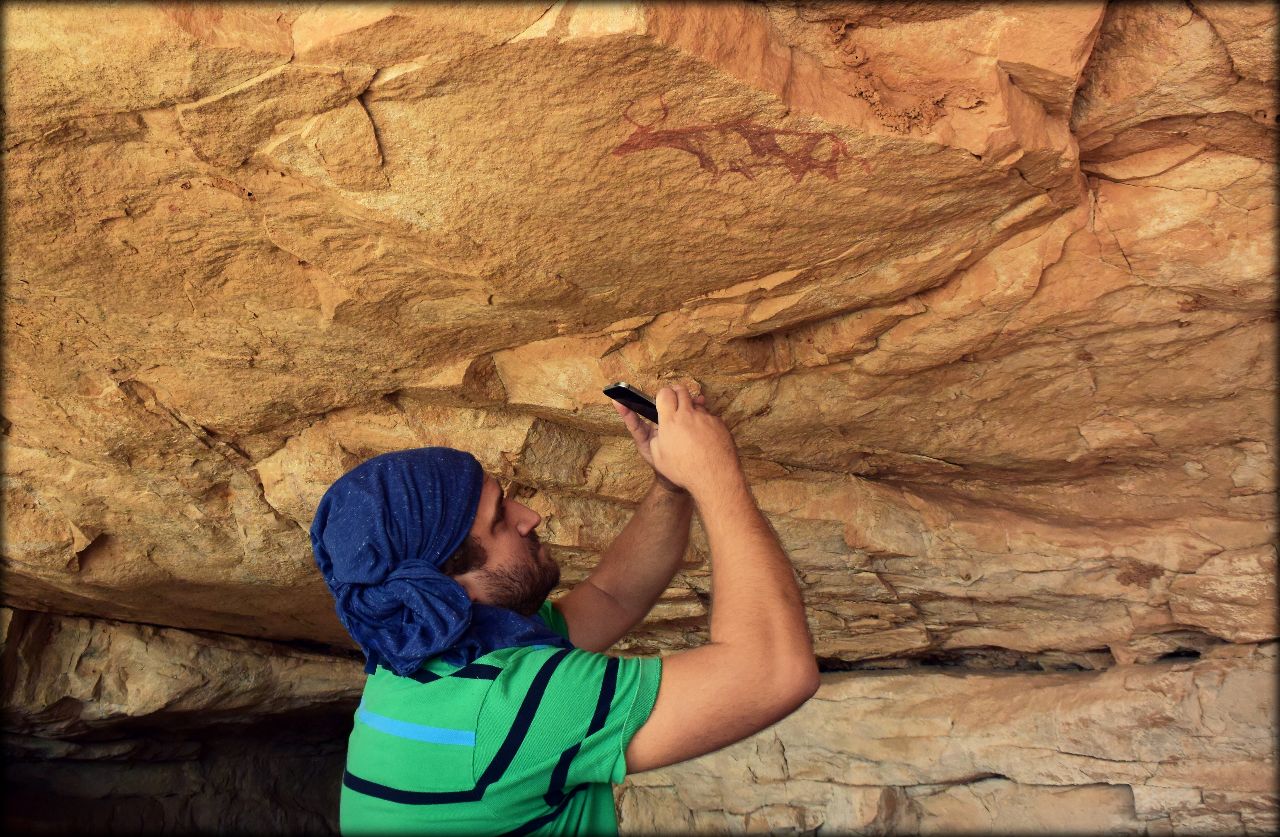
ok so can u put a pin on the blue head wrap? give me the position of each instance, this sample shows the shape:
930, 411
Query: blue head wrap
380, 535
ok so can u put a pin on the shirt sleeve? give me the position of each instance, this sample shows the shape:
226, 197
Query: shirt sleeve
596, 702
551, 616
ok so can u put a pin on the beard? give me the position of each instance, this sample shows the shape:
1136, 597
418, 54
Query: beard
524, 587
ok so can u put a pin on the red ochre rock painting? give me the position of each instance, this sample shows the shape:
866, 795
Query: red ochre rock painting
765, 152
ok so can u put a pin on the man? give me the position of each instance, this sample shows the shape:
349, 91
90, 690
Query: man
488, 709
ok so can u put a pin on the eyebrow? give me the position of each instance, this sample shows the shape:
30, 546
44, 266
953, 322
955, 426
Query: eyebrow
497, 512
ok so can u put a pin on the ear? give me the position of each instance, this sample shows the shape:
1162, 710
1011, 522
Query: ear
470, 583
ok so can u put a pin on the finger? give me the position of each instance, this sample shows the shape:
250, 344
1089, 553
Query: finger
666, 402
638, 427
683, 398
630, 418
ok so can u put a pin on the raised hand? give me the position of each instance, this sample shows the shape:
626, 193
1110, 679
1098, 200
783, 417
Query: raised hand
643, 432
691, 447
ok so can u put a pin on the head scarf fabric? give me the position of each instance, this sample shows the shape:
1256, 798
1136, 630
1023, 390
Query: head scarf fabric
380, 535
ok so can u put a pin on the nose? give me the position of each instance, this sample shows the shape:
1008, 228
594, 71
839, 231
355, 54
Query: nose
529, 519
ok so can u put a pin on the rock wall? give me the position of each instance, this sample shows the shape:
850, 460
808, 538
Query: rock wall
122, 728
1153, 749
985, 291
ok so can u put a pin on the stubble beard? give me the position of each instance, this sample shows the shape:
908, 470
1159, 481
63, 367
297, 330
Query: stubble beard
525, 587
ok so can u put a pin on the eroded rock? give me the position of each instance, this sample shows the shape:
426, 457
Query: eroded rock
985, 291
1178, 748
69, 676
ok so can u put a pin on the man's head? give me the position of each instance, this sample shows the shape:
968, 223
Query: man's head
382, 535
502, 562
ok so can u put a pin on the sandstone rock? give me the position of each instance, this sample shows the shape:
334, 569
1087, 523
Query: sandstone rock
1100, 273
1160, 60
344, 141
1178, 748
998, 806
400, 34
120, 727
68, 676
906, 571
227, 127
129, 58
985, 291
1247, 31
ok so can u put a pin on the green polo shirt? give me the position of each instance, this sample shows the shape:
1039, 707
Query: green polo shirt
523, 740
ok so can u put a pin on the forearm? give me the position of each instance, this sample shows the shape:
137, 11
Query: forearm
639, 565
755, 599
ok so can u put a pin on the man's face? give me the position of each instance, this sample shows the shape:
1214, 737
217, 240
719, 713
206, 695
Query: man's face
518, 573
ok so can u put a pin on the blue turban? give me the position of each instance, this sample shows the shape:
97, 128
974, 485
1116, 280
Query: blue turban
380, 535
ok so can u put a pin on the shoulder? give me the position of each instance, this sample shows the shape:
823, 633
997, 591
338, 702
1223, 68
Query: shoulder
550, 616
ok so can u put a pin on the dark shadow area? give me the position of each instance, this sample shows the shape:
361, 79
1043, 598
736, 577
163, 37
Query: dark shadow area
279, 775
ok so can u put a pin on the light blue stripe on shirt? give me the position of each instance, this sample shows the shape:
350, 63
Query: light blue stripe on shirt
415, 732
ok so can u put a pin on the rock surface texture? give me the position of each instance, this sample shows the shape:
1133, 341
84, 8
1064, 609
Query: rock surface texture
986, 292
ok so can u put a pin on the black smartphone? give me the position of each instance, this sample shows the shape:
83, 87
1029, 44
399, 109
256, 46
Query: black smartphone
629, 396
